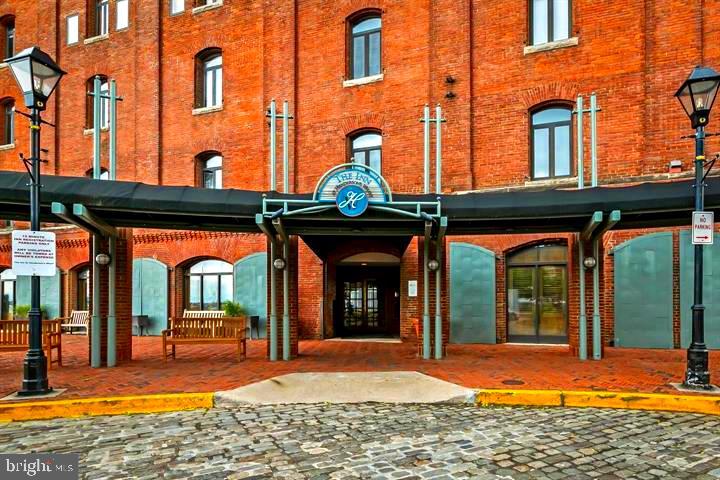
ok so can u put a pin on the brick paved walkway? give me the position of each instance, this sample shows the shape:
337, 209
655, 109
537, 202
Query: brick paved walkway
211, 368
380, 441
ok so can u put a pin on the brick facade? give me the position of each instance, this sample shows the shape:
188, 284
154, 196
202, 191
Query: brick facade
467, 55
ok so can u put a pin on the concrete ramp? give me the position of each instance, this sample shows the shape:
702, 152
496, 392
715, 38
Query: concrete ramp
355, 387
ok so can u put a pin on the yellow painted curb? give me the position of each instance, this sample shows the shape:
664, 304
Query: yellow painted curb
709, 405
81, 407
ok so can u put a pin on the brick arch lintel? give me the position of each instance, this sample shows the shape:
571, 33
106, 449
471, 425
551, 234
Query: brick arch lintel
562, 92
354, 6
366, 120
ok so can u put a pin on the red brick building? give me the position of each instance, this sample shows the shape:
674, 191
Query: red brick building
197, 77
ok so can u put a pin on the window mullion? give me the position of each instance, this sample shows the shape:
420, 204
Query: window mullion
551, 154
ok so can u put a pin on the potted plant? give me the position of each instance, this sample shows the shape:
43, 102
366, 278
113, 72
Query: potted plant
21, 312
234, 309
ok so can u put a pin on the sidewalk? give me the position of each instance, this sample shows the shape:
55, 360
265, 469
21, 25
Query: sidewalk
213, 368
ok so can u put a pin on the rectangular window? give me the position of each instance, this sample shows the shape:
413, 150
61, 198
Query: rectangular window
549, 20
176, 6
73, 29
365, 47
8, 134
102, 17
213, 82
123, 14
542, 153
10, 40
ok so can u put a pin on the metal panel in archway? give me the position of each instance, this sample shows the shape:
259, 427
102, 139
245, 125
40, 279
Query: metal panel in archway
711, 290
250, 285
49, 293
472, 294
150, 293
644, 292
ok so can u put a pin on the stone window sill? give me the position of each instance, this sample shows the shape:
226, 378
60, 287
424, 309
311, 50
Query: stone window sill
7, 146
553, 182
3, 65
95, 39
89, 131
205, 8
364, 80
206, 110
544, 47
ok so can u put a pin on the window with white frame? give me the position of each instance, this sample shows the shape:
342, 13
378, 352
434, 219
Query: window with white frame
123, 14
210, 170
176, 6
550, 21
366, 148
208, 285
208, 78
551, 142
73, 29
102, 17
364, 45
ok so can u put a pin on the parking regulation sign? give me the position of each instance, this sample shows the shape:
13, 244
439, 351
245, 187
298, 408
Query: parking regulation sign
702, 228
33, 253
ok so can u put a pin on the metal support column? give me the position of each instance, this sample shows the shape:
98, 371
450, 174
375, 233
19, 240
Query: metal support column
426, 149
582, 349
580, 152
438, 287
112, 161
278, 226
286, 153
597, 328
95, 321
593, 140
266, 229
438, 149
426, 292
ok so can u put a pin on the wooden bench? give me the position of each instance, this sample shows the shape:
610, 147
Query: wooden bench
79, 319
15, 337
197, 331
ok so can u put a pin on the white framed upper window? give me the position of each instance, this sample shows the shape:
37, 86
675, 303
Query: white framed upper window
177, 6
550, 20
73, 29
102, 17
123, 14
208, 78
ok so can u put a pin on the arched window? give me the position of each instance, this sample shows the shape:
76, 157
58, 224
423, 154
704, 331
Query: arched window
551, 142
209, 284
364, 45
7, 122
104, 102
7, 29
7, 294
209, 167
208, 78
366, 148
550, 20
82, 289
104, 174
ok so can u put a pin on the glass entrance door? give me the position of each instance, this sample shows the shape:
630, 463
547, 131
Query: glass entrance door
537, 298
360, 309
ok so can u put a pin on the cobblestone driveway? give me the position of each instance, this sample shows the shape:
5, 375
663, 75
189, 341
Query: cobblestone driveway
382, 441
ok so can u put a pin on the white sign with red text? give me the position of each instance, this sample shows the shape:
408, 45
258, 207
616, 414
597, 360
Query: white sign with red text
33, 253
702, 228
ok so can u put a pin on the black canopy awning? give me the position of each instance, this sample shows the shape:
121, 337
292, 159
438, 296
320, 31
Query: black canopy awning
134, 204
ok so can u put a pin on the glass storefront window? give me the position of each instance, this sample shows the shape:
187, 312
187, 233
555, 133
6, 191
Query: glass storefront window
209, 285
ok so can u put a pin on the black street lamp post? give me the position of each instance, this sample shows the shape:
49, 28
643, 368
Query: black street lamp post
697, 95
37, 75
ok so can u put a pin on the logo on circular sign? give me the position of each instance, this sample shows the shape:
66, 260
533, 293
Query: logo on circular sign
352, 201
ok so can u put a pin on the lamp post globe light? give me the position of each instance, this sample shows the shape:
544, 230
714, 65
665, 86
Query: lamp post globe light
697, 95
37, 75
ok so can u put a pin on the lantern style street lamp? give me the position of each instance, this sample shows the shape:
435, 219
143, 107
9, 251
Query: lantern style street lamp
697, 95
37, 75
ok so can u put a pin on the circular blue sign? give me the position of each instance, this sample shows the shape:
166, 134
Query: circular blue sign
352, 201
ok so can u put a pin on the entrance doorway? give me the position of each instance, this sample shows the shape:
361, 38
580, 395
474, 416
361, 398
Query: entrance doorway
537, 295
368, 301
